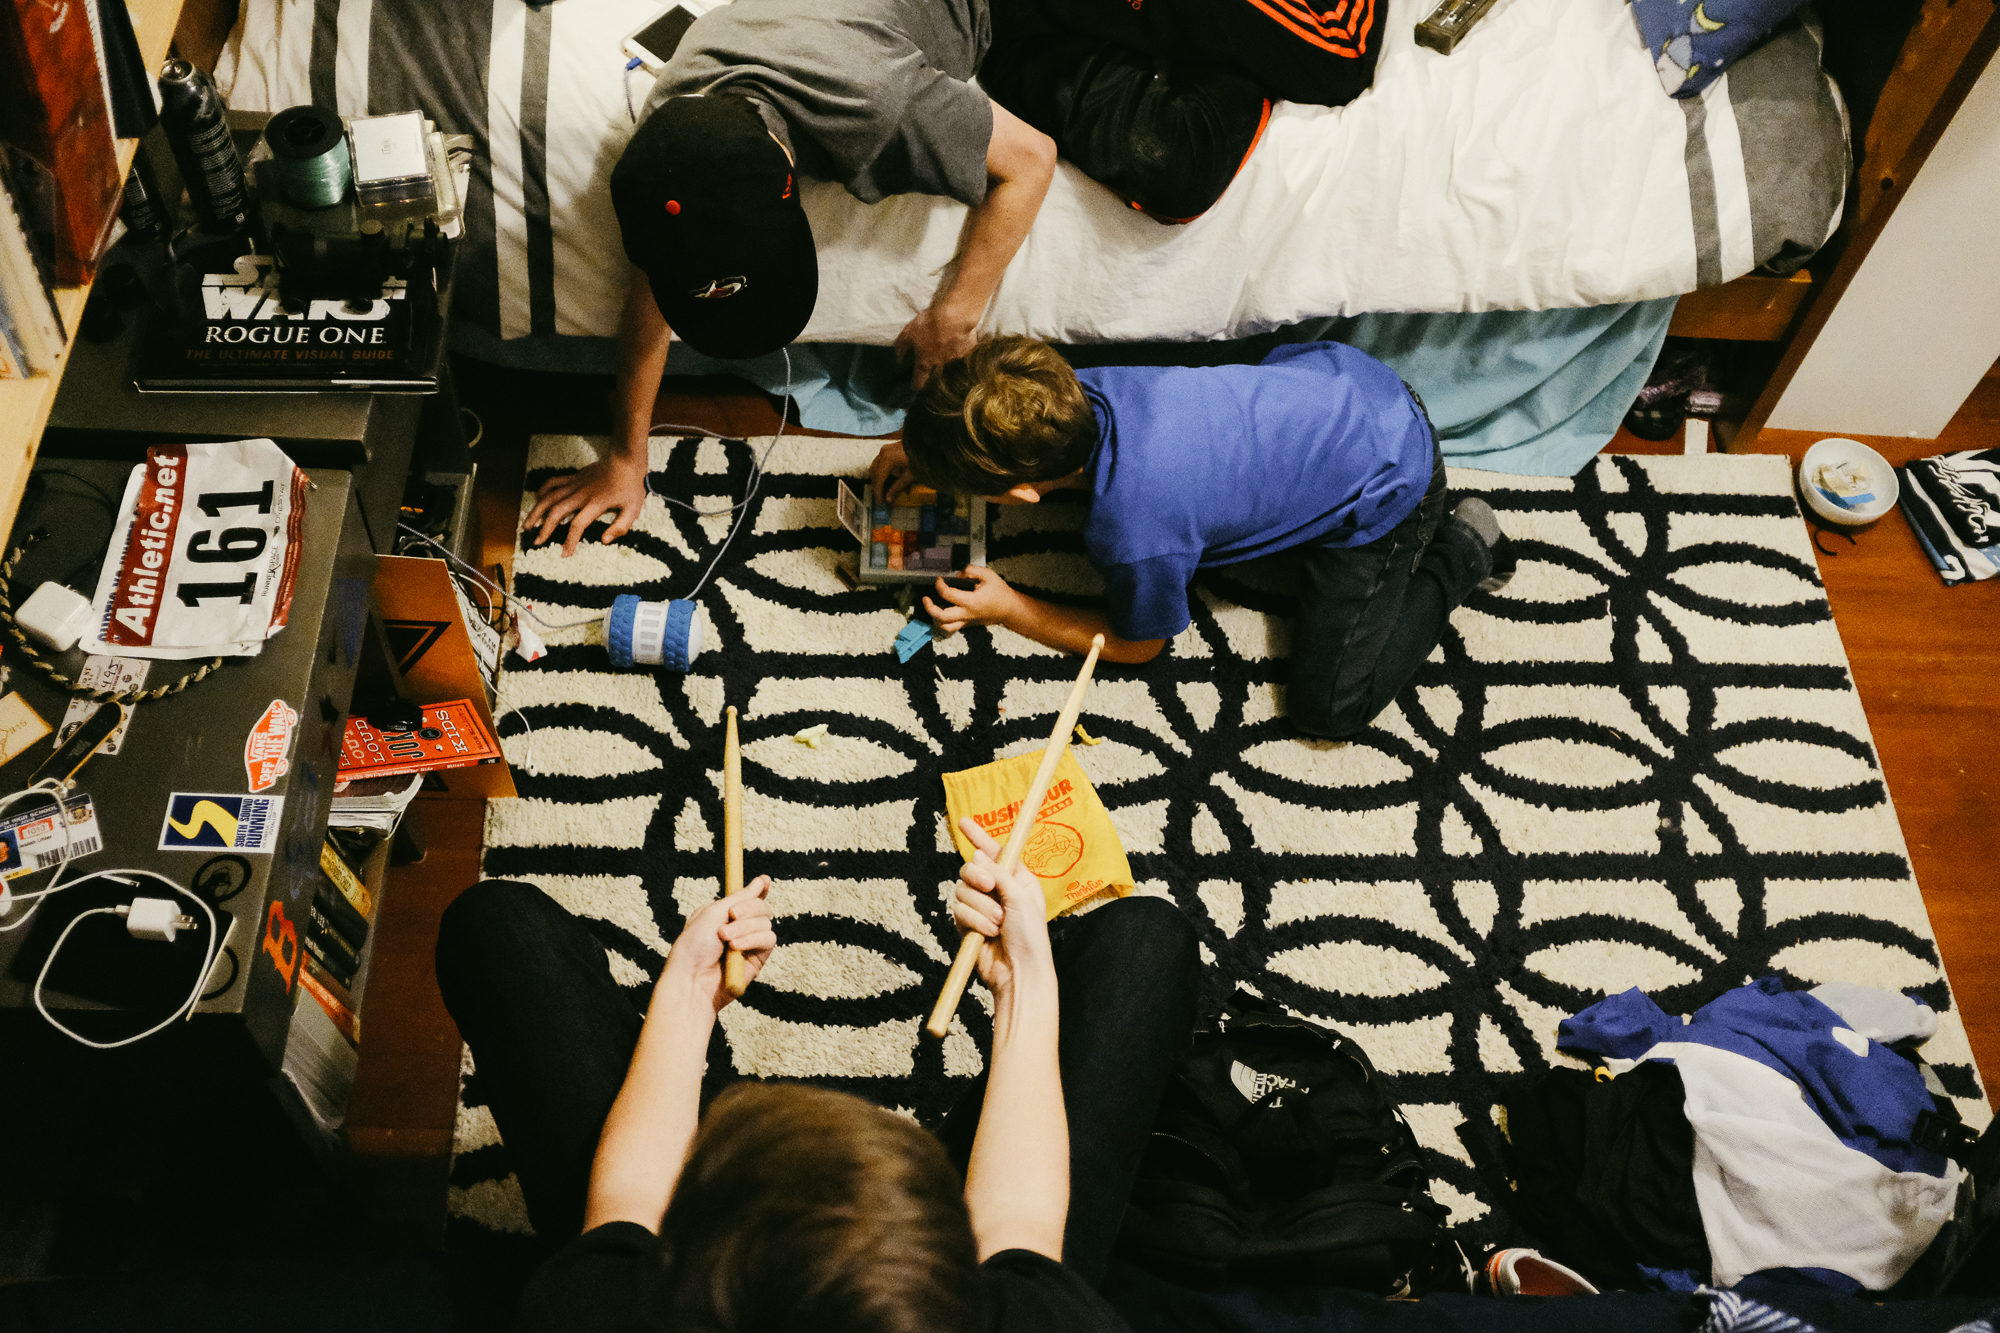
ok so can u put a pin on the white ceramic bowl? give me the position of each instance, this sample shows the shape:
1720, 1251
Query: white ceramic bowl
1853, 514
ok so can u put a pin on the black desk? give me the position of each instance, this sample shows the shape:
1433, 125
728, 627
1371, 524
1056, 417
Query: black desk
194, 742
383, 437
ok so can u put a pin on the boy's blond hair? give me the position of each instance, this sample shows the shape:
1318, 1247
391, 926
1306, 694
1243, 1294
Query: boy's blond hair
1009, 411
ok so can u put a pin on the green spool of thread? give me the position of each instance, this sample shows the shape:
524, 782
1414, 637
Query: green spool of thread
309, 145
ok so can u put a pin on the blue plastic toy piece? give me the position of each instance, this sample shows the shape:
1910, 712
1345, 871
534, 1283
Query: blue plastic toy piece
911, 638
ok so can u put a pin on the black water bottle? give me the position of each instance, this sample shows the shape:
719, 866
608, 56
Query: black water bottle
198, 132
142, 211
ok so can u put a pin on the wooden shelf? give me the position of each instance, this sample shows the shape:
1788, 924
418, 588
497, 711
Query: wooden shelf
24, 404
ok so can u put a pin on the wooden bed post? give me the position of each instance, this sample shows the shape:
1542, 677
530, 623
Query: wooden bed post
1944, 54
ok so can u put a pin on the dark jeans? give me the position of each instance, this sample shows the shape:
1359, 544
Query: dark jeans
552, 1034
1161, 102
1128, 974
1369, 615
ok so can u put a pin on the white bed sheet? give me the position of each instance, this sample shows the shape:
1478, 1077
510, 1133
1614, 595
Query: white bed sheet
1539, 166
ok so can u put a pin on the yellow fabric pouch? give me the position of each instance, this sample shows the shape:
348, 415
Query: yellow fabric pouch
1073, 850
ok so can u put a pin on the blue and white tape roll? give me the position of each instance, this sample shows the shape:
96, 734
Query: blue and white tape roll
652, 633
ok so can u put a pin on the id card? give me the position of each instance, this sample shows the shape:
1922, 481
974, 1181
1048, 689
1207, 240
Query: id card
33, 839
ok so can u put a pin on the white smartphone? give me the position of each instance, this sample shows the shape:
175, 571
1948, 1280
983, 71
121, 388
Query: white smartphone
653, 42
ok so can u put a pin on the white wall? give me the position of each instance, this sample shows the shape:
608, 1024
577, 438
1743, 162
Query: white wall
1920, 324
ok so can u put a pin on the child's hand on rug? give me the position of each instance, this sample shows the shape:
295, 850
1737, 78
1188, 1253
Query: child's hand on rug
614, 482
741, 921
890, 476
1011, 913
989, 602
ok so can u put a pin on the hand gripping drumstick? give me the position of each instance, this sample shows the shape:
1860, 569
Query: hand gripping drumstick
1010, 855
733, 979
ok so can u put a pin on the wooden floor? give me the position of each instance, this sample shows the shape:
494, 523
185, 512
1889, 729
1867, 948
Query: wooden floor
1925, 658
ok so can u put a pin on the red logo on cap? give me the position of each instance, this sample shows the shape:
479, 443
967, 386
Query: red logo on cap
719, 288
673, 205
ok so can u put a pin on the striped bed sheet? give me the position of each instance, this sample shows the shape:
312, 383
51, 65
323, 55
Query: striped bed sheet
1538, 167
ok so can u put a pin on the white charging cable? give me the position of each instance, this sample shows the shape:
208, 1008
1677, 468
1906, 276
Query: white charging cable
756, 468
740, 509
515, 709
520, 605
146, 918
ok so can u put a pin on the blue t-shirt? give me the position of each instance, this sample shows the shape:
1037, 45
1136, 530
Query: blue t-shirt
1199, 466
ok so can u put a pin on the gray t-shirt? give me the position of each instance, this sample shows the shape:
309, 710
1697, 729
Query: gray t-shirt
875, 94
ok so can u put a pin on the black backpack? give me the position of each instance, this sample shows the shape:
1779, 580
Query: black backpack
1278, 1156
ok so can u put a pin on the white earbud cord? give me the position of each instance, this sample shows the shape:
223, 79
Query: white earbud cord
740, 509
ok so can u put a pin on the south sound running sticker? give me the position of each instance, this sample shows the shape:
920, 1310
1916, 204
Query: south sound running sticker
220, 822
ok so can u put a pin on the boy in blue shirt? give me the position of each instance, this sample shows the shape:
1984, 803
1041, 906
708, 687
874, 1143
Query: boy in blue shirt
1319, 448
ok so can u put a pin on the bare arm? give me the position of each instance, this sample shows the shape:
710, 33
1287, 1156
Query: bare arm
1020, 163
1068, 629
652, 1121
1017, 1181
618, 480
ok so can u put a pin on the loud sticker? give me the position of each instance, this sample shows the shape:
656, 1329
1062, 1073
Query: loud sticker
220, 821
267, 750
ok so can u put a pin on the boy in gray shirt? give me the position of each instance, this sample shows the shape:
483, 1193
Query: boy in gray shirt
874, 94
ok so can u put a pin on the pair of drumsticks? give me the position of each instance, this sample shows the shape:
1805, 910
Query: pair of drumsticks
1010, 855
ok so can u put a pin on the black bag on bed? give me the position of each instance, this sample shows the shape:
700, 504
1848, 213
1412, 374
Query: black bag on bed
1278, 1156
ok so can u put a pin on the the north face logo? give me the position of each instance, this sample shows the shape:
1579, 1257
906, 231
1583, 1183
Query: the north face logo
1254, 1085
719, 288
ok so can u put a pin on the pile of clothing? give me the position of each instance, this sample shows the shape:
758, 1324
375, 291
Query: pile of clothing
1770, 1130
1953, 504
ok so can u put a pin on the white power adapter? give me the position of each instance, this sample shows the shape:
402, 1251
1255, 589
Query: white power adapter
155, 919
54, 616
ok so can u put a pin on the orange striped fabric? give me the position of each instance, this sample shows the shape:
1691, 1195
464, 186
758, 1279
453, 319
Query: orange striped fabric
1342, 29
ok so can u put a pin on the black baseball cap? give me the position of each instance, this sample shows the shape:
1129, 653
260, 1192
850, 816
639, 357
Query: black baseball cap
709, 208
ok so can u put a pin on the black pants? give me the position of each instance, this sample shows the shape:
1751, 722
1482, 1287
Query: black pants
1162, 100
1369, 615
552, 1035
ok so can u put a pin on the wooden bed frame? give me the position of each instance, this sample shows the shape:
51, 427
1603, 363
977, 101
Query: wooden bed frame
1903, 66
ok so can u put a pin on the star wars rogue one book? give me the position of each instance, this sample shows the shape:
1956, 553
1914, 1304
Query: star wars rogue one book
246, 339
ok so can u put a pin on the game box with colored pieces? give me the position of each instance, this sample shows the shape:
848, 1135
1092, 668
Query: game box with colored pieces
923, 535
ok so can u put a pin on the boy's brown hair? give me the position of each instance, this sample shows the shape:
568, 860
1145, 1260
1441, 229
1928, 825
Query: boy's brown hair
1009, 411
801, 1208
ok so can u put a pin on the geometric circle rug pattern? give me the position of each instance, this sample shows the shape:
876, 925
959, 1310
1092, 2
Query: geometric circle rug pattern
1642, 763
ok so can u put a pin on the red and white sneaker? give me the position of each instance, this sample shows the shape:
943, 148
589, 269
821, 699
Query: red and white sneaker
1521, 1272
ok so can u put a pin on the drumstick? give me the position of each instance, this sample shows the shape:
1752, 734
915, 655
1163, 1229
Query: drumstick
733, 979
1010, 856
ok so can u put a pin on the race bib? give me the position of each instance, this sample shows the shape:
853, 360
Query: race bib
206, 554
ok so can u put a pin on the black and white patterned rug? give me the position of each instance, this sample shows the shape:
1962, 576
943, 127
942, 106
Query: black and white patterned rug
1642, 763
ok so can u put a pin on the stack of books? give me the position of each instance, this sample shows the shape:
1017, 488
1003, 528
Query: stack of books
335, 935
451, 735
60, 183
324, 1048
373, 803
